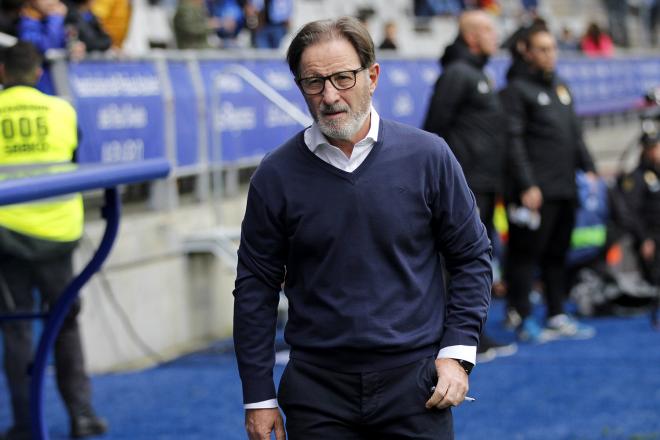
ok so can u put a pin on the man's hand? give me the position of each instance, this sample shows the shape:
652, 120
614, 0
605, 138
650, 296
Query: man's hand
259, 423
532, 198
452, 385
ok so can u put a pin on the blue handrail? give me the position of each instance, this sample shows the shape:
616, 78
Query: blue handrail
22, 184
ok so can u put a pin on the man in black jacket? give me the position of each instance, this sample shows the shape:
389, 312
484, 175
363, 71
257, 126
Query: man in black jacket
545, 149
466, 111
641, 190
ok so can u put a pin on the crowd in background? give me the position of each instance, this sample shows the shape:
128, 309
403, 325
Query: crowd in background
83, 26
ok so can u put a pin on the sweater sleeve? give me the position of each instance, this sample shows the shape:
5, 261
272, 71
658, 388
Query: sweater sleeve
260, 273
464, 244
521, 168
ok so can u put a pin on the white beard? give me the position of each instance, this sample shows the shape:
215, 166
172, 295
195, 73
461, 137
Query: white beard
354, 119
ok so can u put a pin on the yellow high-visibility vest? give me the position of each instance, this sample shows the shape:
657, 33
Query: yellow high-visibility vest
37, 128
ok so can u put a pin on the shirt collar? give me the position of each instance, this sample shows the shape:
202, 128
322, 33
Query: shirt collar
314, 138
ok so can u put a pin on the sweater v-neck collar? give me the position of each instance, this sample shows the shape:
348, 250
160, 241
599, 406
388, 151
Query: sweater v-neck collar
351, 176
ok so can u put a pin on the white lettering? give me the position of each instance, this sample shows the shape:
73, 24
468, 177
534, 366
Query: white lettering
125, 150
116, 84
403, 104
228, 83
399, 77
232, 118
279, 80
277, 118
115, 117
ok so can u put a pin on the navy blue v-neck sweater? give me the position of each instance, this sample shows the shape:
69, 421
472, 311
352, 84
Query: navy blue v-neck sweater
361, 255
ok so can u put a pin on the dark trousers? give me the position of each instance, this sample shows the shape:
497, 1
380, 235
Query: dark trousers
544, 248
18, 280
325, 404
651, 272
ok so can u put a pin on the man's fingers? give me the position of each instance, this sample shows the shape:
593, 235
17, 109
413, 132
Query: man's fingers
259, 423
437, 396
279, 429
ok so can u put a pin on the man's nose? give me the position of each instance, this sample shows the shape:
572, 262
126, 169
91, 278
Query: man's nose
330, 93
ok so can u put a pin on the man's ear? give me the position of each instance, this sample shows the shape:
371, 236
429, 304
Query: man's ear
374, 73
37, 74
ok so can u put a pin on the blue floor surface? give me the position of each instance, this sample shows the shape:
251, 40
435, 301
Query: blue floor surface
604, 388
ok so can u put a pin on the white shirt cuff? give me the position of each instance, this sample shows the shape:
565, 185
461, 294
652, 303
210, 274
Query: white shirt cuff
272, 403
464, 352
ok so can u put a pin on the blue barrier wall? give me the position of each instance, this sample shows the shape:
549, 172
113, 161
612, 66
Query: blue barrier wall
225, 119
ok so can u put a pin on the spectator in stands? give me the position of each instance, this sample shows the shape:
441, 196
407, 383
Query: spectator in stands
357, 211
642, 195
269, 21
650, 15
115, 17
530, 5
42, 23
229, 19
617, 16
389, 42
82, 24
37, 241
596, 43
430, 8
545, 149
567, 41
466, 111
192, 25
9, 14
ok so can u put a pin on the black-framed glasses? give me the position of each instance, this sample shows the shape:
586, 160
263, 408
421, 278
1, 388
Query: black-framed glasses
315, 85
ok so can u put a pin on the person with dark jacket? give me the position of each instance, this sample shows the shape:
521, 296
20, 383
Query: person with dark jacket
85, 27
641, 190
546, 148
466, 111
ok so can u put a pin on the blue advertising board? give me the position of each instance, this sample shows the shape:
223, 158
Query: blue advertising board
120, 110
242, 123
186, 114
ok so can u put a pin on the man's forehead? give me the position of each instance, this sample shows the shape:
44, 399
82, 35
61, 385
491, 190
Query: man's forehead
328, 55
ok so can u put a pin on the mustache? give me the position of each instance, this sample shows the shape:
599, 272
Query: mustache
335, 108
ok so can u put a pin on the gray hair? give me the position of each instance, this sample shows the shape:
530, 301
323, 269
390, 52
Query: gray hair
344, 28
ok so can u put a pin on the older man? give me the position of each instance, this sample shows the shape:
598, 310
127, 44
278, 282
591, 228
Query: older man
357, 216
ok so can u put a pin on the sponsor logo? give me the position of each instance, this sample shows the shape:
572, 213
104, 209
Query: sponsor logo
399, 77
125, 150
228, 83
230, 118
403, 105
116, 84
543, 98
277, 118
563, 95
279, 80
121, 116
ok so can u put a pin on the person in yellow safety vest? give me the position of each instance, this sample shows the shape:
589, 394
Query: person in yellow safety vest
37, 240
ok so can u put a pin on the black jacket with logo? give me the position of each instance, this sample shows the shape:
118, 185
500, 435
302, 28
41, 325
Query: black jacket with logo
641, 190
466, 111
545, 143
